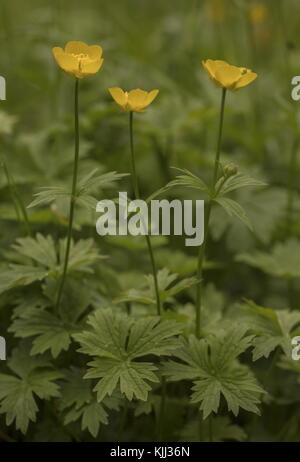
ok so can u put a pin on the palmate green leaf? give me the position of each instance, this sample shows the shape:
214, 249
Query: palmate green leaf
282, 261
32, 377
273, 328
50, 331
49, 194
41, 249
41, 259
264, 208
85, 186
236, 182
91, 182
91, 415
20, 275
132, 377
53, 332
234, 209
213, 366
82, 255
87, 201
78, 402
28, 301
187, 179
167, 288
219, 429
116, 341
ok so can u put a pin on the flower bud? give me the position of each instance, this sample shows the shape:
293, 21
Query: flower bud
230, 170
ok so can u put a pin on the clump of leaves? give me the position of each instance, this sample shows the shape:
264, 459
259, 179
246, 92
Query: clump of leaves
31, 378
120, 345
213, 366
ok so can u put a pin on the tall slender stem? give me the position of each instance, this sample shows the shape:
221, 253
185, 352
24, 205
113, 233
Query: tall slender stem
218, 152
137, 196
73, 195
202, 247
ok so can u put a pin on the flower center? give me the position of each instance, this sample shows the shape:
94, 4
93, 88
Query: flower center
81, 58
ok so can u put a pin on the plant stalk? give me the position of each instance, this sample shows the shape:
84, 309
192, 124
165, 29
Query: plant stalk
137, 196
202, 247
73, 195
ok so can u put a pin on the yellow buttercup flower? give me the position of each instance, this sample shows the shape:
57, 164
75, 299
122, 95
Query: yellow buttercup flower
225, 75
134, 100
79, 59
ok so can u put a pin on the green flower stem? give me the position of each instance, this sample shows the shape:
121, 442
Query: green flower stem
137, 196
17, 198
73, 196
202, 247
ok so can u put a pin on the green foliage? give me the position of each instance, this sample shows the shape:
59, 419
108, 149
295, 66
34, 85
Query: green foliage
282, 261
233, 208
273, 328
213, 366
116, 342
214, 429
30, 378
87, 185
236, 182
167, 288
79, 402
39, 259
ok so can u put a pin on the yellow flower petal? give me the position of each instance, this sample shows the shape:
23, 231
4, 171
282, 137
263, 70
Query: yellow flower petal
77, 48
227, 75
119, 96
67, 62
211, 65
95, 51
245, 80
91, 67
151, 96
137, 99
